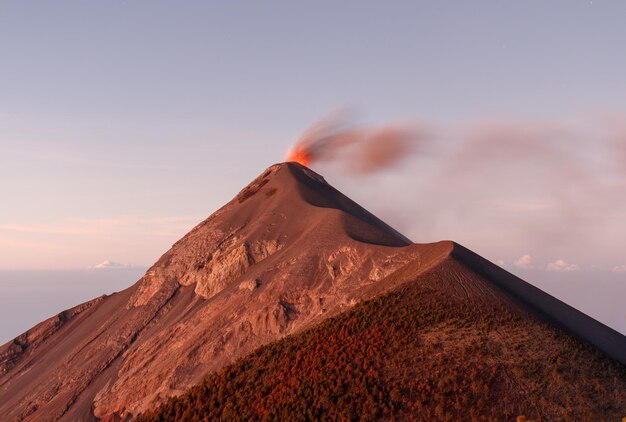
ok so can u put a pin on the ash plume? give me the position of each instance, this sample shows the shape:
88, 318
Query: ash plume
556, 186
356, 148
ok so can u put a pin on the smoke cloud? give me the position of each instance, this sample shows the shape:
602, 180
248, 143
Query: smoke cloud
553, 188
355, 148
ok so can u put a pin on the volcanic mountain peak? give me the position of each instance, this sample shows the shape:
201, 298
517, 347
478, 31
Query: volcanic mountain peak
287, 252
283, 207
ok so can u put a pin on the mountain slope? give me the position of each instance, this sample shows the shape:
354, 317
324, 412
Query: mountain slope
424, 351
289, 250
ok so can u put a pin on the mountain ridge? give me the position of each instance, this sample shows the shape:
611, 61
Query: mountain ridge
559, 313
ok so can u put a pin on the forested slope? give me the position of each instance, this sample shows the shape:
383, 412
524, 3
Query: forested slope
420, 352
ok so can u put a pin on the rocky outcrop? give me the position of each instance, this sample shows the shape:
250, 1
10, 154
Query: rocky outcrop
222, 268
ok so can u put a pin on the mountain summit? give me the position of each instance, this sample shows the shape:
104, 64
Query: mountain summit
288, 252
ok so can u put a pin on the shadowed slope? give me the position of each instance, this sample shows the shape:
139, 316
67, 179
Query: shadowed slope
314, 189
548, 307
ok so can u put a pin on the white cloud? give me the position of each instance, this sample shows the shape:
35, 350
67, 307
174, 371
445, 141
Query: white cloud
524, 261
561, 265
109, 265
619, 269
500, 262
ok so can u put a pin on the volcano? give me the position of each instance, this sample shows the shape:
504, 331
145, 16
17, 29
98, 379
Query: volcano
288, 253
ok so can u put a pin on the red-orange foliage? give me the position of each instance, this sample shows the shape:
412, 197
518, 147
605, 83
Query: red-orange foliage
413, 354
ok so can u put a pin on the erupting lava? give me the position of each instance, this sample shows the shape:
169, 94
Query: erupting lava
300, 155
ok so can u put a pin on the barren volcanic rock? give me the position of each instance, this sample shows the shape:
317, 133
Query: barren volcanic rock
288, 252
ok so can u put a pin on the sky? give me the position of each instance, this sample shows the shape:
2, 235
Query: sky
124, 124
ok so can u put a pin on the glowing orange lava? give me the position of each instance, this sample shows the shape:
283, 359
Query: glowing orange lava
299, 155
